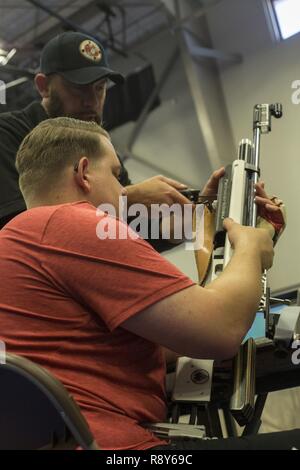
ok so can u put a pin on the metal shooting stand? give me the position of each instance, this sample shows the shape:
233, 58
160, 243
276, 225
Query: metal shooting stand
239, 389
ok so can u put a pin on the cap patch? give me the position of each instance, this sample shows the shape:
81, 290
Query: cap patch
90, 50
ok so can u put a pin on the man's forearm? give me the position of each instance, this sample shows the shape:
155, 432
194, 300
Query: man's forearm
239, 290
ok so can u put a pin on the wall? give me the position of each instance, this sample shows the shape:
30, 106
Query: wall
265, 76
171, 137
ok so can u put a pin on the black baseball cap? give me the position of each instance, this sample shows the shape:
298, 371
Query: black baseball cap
79, 58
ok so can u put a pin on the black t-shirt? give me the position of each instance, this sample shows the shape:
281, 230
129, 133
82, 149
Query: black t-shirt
14, 126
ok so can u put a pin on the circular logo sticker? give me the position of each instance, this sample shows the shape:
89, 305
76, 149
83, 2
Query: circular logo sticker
90, 50
199, 376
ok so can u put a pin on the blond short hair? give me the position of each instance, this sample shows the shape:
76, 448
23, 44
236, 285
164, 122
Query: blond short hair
50, 147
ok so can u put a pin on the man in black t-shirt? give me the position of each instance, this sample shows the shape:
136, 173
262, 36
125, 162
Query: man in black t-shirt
72, 82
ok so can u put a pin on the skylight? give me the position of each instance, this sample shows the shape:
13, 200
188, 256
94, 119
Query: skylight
287, 14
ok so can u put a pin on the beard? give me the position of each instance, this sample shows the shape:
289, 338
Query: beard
55, 108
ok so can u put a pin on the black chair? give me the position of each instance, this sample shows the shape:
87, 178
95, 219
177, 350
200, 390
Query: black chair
36, 410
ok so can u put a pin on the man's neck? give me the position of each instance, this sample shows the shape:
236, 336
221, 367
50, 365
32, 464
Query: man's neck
53, 201
44, 105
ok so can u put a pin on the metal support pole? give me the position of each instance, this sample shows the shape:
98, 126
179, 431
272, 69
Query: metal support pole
253, 427
206, 90
13, 83
198, 52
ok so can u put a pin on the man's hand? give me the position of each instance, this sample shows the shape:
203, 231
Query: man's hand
263, 201
157, 190
246, 238
271, 212
211, 187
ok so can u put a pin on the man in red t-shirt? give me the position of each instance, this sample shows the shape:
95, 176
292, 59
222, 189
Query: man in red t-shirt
98, 312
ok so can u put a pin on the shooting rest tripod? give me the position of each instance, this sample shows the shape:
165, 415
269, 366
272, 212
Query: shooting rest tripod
273, 371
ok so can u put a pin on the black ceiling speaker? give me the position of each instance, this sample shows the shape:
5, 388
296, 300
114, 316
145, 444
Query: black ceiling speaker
125, 102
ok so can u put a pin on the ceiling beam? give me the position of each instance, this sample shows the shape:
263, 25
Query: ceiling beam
72, 25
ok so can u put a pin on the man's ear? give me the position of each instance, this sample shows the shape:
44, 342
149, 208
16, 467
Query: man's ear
42, 84
82, 174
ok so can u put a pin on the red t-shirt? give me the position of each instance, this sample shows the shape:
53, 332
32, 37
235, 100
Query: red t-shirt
64, 295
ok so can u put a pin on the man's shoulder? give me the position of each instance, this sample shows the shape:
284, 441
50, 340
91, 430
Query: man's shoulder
63, 215
81, 224
70, 220
52, 223
26, 118
71, 211
79, 215
78, 227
